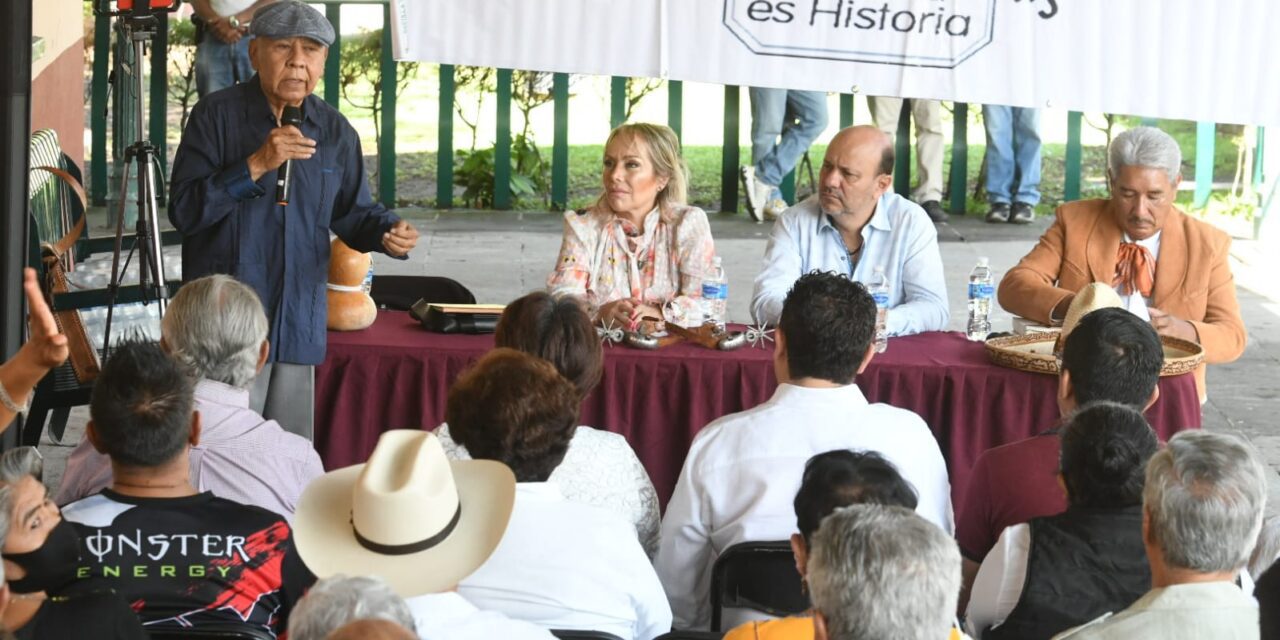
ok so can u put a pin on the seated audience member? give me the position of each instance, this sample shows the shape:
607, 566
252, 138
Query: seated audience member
46, 349
640, 250
1056, 572
1266, 591
1166, 266
831, 480
561, 564
882, 572
371, 630
1201, 512
855, 224
1110, 356
338, 600
215, 326
183, 556
419, 522
40, 554
599, 468
743, 470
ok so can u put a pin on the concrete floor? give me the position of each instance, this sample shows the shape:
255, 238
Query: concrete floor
502, 255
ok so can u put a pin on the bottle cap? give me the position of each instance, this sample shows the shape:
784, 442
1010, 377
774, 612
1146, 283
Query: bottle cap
715, 261
983, 261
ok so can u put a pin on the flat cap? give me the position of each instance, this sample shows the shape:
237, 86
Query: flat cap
290, 19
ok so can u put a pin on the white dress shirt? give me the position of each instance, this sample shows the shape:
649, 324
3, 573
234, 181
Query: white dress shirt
448, 616
899, 237
599, 469
743, 471
1135, 303
567, 565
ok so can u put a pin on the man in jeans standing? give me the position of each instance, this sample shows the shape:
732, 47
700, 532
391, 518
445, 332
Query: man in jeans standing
798, 117
1013, 154
222, 42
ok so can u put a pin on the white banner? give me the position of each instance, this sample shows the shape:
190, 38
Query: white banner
1184, 59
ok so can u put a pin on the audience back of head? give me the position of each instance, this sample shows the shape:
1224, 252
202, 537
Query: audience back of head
1105, 449
840, 478
558, 330
1204, 498
1113, 355
514, 408
883, 572
828, 322
338, 600
141, 406
215, 326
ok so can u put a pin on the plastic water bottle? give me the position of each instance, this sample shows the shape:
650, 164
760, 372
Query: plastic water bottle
366, 285
879, 291
715, 295
980, 293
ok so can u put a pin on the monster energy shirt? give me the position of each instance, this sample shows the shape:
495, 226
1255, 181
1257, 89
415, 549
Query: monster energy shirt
192, 561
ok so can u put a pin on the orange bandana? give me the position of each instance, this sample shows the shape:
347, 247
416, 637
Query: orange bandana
1135, 269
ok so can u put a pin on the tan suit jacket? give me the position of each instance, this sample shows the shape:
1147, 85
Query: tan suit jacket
1193, 278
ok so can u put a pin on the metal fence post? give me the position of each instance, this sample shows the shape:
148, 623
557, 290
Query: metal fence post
675, 106
444, 146
98, 106
959, 158
502, 146
729, 154
1074, 158
158, 125
1204, 162
902, 143
617, 101
333, 65
846, 110
560, 147
387, 146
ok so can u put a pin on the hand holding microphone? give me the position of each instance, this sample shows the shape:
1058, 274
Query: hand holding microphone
284, 144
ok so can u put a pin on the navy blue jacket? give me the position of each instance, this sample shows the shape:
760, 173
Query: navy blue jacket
232, 225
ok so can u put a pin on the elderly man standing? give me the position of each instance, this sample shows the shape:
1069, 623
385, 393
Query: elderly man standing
855, 226
215, 326
1167, 267
233, 149
1202, 509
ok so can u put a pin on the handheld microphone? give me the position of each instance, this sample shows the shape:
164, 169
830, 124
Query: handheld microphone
291, 116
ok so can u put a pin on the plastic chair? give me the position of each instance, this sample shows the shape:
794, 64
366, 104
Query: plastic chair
757, 575
225, 632
400, 292
577, 634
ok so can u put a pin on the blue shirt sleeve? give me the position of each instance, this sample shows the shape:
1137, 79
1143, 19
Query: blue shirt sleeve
924, 289
206, 187
357, 218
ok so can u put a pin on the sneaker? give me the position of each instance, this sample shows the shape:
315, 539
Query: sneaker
999, 212
775, 208
935, 211
1023, 213
751, 190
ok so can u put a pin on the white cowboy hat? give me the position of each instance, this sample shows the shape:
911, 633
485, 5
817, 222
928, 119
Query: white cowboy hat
409, 516
1038, 352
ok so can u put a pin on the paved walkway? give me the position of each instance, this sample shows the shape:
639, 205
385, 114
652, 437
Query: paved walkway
501, 256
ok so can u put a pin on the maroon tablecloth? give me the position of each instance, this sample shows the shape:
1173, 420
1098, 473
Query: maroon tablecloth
396, 375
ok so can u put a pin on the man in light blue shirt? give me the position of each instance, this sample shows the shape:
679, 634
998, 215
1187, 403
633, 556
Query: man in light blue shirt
852, 226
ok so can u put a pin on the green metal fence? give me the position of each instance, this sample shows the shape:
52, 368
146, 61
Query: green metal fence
731, 155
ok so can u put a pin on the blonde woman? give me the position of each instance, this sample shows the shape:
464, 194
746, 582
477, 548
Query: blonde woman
640, 251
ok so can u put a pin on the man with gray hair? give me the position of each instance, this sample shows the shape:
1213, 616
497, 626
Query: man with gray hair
216, 327
880, 572
340, 599
1168, 268
1202, 510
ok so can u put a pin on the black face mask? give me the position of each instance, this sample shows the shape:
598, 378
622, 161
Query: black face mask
52, 565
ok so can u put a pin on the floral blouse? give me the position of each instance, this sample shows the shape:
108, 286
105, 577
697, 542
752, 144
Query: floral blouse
605, 258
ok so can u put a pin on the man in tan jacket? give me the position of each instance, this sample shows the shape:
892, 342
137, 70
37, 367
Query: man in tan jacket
1167, 267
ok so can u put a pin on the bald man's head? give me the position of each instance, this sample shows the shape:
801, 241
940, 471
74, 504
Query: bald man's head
371, 630
856, 171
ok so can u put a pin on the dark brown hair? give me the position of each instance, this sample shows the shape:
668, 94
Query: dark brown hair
558, 330
514, 408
